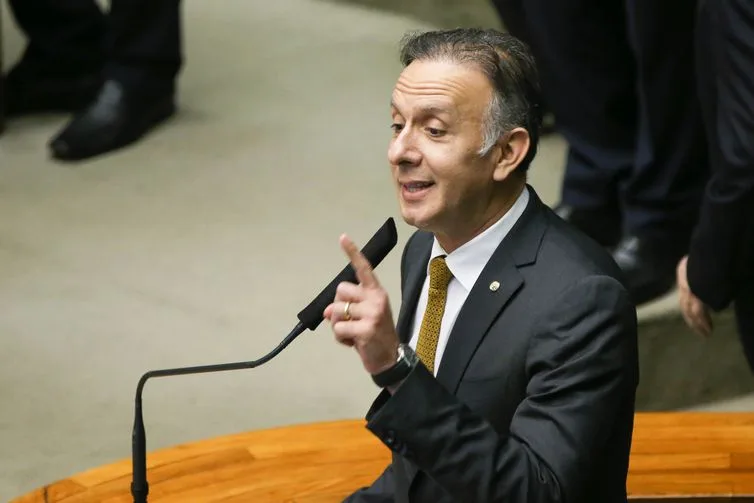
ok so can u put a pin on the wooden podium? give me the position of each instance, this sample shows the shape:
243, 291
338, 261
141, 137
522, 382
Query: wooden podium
707, 457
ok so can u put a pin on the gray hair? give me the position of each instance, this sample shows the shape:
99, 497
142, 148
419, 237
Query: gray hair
508, 64
495, 123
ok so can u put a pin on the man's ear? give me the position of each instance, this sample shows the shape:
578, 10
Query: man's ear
511, 149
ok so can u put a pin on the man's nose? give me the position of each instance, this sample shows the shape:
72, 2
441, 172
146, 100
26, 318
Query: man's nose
403, 150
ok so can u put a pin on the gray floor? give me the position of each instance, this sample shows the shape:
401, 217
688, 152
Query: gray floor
201, 244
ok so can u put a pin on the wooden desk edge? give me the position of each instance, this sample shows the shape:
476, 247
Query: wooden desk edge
264, 441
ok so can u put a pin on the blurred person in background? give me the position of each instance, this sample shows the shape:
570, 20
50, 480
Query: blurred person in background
619, 78
115, 72
719, 268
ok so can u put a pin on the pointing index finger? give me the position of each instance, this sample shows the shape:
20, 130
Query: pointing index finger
364, 272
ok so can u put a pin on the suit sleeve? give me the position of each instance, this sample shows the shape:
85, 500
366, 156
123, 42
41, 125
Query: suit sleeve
716, 250
583, 371
382, 490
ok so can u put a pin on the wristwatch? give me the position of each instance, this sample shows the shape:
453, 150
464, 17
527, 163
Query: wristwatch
405, 363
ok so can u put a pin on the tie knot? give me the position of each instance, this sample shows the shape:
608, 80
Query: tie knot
439, 274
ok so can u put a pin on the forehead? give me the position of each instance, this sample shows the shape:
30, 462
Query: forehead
441, 86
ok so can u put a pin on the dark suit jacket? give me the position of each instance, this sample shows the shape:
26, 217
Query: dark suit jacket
721, 255
534, 398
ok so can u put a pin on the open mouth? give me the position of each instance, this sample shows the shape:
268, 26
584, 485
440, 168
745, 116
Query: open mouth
414, 187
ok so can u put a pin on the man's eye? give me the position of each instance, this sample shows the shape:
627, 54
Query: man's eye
435, 132
396, 127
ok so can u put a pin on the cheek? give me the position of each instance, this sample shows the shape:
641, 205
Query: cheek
455, 171
445, 161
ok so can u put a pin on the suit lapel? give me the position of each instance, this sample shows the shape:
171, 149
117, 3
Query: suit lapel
496, 285
477, 314
415, 275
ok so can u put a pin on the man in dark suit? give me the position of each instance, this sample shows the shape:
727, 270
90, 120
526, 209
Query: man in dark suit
619, 78
719, 269
511, 374
115, 72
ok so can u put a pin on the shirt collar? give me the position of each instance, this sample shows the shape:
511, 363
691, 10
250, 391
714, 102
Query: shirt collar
467, 262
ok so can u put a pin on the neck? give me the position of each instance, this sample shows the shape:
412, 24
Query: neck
500, 205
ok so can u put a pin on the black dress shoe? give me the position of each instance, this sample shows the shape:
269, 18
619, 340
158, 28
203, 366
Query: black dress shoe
114, 120
27, 93
648, 265
603, 226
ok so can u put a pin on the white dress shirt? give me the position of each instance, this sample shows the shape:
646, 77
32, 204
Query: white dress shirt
466, 263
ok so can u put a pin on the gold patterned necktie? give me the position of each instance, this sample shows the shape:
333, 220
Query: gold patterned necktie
439, 278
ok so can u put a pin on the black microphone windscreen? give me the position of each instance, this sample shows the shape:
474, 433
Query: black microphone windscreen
376, 249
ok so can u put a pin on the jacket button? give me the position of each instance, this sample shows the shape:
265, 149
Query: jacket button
390, 437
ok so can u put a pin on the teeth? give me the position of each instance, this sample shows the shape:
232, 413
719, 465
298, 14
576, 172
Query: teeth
415, 187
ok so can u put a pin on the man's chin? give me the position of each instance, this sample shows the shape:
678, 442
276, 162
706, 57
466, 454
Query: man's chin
421, 222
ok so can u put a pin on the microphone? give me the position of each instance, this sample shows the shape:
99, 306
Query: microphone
376, 249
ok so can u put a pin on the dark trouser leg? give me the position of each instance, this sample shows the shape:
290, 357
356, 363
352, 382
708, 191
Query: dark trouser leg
61, 68
144, 44
661, 198
744, 297
743, 302
513, 15
65, 36
662, 194
744, 311
588, 81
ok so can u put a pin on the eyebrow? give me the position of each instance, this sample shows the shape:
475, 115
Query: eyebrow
428, 109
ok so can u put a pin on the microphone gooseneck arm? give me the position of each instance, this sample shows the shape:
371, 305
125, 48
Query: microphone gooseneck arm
139, 484
310, 317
